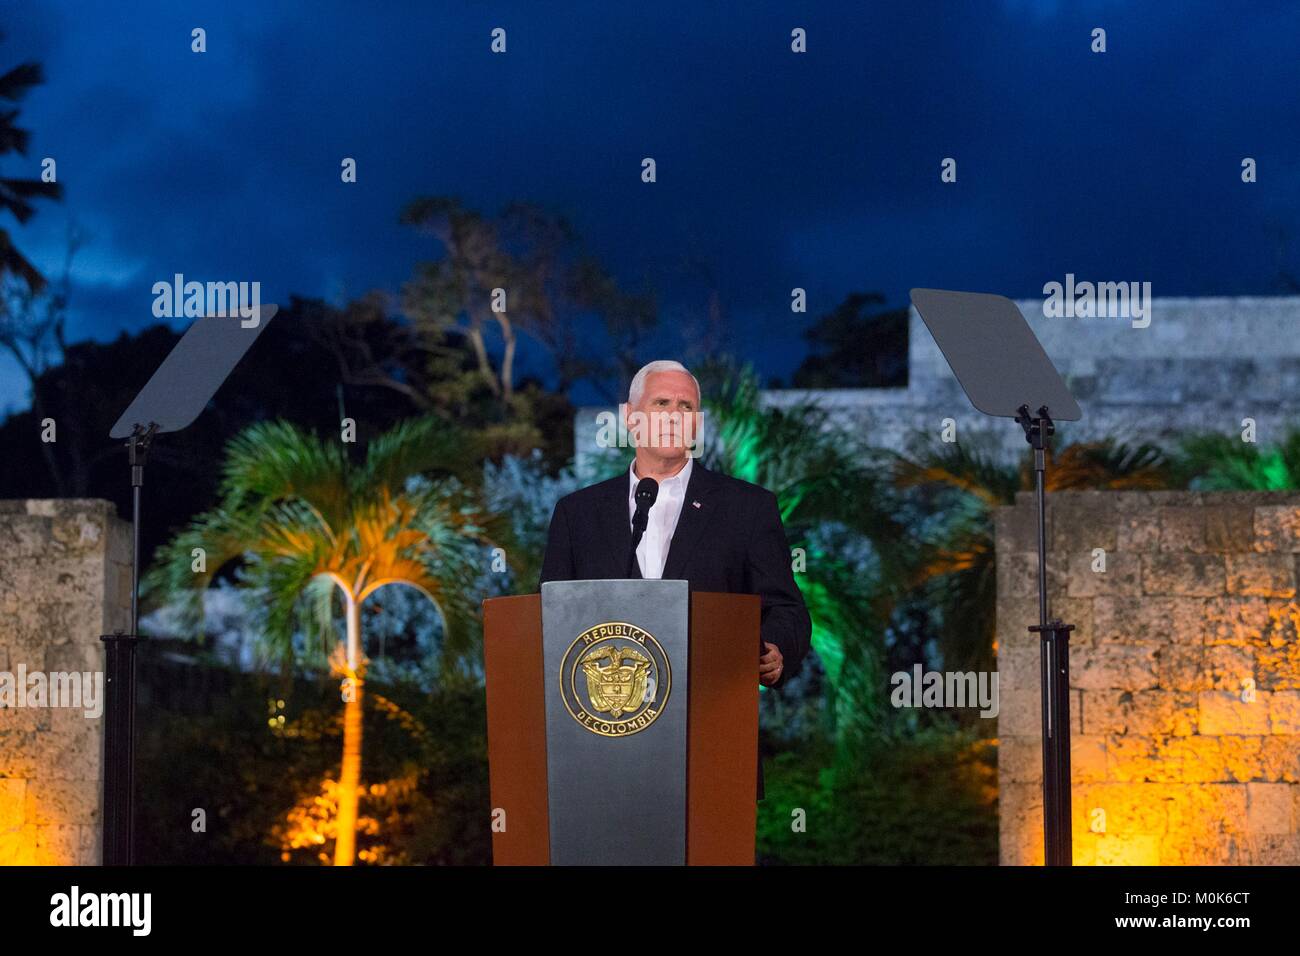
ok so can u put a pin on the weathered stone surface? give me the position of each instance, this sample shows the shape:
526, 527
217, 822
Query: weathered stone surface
1016, 530
1273, 850
1136, 850
1243, 758
1224, 712
1112, 711
57, 845
1123, 574
1111, 807
18, 846
1198, 667
1143, 620
1138, 531
1279, 757
1229, 529
51, 802
1020, 807
1019, 759
1019, 713
1182, 528
1087, 758
1277, 528
1246, 621
13, 801
1268, 808
1121, 666
1018, 668
1261, 575
1189, 575
1284, 712
20, 752
1278, 666
1018, 576
1185, 708
1081, 523
64, 581
1074, 611
1014, 616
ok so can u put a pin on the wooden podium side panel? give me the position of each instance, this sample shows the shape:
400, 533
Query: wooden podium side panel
516, 719
722, 719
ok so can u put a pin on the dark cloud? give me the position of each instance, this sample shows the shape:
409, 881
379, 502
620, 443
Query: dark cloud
774, 170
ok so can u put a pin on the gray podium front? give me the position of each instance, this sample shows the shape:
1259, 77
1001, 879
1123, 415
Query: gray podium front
622, 724
616, 779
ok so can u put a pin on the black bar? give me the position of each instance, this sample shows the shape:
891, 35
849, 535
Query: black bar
119, 749
1054, 659
1061, 655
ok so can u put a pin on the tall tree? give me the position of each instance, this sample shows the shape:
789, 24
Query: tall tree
549, 286
856, 345
839, 512
31, 321
16, 194
310, 525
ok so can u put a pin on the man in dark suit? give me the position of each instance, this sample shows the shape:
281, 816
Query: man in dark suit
716, 532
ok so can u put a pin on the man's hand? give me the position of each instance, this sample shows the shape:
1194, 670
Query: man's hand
770, 665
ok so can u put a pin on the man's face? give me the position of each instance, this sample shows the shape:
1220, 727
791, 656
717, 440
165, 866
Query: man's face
666, 420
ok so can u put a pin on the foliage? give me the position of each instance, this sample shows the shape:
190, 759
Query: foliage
524, 493
839, 515
552, 282
929, 798
838, 359
1211, 462
212, 738
16, 194
301, 516
958, 485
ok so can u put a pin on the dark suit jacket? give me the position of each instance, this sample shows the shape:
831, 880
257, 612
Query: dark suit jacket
733, 542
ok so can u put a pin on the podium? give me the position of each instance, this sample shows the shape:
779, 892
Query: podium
622, 720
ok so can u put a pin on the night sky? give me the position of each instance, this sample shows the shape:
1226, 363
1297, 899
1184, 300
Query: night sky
775, 170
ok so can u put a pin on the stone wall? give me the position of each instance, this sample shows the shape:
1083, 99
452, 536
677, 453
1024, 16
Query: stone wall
1185, 676
64, 581
1199, 365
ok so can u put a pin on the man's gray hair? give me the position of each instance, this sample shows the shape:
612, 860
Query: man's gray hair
637, 388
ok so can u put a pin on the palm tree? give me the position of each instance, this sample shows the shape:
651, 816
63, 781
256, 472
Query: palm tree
1213, 462
839, 511
963, 483
307, 521
15, 194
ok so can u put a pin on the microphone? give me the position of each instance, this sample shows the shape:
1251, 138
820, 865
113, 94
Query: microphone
647, 490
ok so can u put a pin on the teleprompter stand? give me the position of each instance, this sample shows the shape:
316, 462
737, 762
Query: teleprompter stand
170, 401
1005, 372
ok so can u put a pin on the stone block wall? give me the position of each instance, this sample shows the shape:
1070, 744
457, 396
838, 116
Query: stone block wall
1185, 675
1197, 366
65, 579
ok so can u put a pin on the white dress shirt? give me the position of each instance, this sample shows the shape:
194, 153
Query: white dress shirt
652, 552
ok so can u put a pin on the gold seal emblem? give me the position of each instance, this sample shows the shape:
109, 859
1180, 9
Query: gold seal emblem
615, 679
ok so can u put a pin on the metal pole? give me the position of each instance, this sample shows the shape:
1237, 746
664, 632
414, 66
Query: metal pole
1046, 666
1053, 668
119, 666
1061, 680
